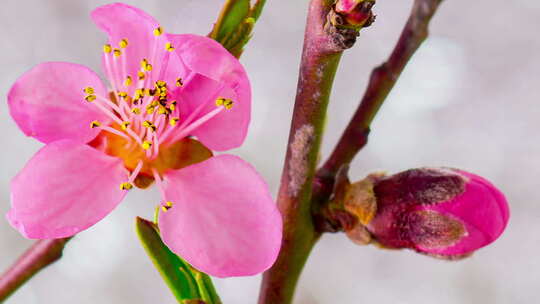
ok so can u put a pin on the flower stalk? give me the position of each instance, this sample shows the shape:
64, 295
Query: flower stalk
40, 255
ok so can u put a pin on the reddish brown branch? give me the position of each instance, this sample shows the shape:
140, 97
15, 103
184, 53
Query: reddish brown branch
382, 80
40, 255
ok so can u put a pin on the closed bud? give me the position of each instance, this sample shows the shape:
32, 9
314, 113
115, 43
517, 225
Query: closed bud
357, 13
446, 213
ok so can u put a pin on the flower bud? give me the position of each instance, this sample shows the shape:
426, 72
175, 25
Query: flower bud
356, 13
446, 213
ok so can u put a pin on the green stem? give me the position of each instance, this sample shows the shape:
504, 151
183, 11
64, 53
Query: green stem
40, 255
320, 59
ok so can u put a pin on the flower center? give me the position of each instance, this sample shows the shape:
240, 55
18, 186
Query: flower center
148, 131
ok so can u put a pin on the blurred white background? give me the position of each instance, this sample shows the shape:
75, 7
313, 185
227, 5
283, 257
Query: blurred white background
469, 99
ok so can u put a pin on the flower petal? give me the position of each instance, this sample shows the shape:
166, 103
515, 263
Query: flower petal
223, 220
226, 130
480, 201
212, 61
65, 188
48, 103
122, 21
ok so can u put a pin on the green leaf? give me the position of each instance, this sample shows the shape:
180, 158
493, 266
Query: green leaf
232, 14
185, 282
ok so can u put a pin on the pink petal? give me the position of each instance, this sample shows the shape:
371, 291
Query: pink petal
208, 58
226, 130
65, 188
122, 21
48, 103
480, 201
223, 220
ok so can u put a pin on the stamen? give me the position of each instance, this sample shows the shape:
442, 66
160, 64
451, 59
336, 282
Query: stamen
136, 111
135, 172
90, 98
146, 145
125, 125
225, 102
94, 124
149, 125
169, 47
187, 130
89, 90
158, 31
141, 75
173, 121
179, 82
107, 48
117, 52
123, 43
172, 106
114, 131
126, 186
128, 81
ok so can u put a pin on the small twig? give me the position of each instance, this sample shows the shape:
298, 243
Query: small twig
382, 80
40, 255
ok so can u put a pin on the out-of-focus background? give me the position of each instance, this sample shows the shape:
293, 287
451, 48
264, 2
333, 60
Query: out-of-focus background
470, 99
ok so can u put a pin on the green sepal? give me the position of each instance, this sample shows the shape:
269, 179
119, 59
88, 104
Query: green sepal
233, 13
186, 283
235, 24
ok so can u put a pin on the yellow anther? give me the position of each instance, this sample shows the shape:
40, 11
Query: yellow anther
158, 31
225, 102
136, 111
139, 93
154, 103
144, 63
147, 92
161, 84
90, 98
162, 110
146, 145
123, 43
228, 104
169, 47
174, 121
94, 124
122, 94
89, 90
179, 82
172, 106
117, 52
125, 125
126, 186
128, 81
147, 123
167, 206
107, 48
150, 110
141, 75
148, 67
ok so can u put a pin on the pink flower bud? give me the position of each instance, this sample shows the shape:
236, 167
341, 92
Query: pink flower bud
356, 12
446, 213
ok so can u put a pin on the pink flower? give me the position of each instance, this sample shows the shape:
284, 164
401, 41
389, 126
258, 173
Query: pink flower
446, 213
216, 211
